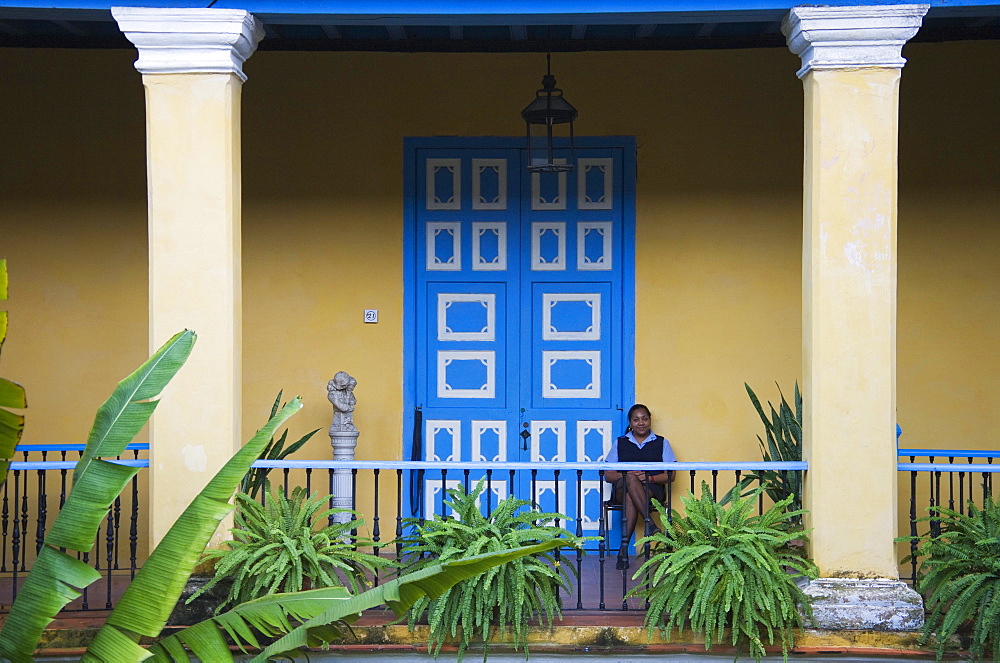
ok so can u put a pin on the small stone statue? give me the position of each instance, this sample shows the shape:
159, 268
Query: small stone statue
340, 391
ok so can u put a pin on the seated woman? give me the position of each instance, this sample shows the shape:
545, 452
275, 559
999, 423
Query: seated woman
634, 488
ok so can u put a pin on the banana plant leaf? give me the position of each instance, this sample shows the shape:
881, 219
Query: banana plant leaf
150, 598
269, 616
11, 396
56, 577
399, 594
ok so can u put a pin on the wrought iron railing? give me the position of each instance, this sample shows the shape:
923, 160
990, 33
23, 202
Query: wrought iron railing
35, 491
383, 491
948, 478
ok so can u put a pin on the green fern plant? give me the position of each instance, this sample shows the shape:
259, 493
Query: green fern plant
717, 568
502, 599
256, 479
285, 545
959, 578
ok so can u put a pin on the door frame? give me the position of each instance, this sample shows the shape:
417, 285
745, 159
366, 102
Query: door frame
410, 238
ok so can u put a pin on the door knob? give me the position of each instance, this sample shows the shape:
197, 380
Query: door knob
524, 436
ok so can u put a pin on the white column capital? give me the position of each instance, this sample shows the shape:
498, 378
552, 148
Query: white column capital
196, 40
851, 37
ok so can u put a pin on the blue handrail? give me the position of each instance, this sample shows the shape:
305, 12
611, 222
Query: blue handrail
135, 446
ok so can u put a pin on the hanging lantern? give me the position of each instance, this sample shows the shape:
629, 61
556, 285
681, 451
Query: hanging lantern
548, 109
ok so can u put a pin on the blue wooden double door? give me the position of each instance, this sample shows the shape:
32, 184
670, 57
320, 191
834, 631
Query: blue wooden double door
520, 298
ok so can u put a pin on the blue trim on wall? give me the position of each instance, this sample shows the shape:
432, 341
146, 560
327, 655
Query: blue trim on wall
382, 12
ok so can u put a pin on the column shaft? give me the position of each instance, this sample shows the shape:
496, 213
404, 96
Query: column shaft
849, 319
193, 162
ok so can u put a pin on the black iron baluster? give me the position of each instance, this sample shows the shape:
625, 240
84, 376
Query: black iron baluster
692, 482
715, 485
399, 512
15, 539
42, 508
534, 490
62, 481
444, 490
935, 523
465, 480
555, 490
24, 519
579, 532
284, 476
972, 479
647, 513
670, 505
510, 484
951, 485
489, 493
110, 550
961, 491
376, 532
4, 519
118, 516
602, 532
133, 529
309, 476
354, 503
420, 508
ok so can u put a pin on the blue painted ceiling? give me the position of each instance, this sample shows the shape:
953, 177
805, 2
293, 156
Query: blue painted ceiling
481, 25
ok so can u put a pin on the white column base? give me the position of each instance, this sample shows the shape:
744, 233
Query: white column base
878, 604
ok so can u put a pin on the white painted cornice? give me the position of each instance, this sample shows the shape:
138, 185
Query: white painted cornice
851, 37
184, 41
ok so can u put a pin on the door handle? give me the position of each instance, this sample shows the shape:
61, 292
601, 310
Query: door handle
524, 436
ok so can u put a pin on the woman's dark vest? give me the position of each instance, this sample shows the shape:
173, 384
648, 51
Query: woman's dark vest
651, 452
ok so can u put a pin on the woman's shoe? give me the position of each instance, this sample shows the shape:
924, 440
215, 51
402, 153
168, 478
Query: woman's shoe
622, 563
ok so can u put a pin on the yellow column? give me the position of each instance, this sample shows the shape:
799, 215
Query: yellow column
851, 64
191, 64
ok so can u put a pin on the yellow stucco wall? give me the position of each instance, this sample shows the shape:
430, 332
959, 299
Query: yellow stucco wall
718, 229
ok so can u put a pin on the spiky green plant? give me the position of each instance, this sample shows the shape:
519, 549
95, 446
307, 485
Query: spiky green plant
287, 545
783, 430
256, 479
959, 578
503, 598
719, 567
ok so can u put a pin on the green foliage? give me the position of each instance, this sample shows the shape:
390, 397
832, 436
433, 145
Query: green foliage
784, 443
248, 623
58, 576
959, 578
256, 479
503, 598
286, 545
428, 583
317, 617
719, 568
151, 596
11, 396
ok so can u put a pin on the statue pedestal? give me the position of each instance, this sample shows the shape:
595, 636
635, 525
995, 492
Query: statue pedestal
342, 488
